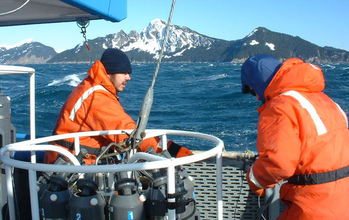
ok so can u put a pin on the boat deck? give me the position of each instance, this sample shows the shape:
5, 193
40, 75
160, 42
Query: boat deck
239, 201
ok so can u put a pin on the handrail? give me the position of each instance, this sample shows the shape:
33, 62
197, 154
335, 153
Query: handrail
31, 145
155, 162
7, 69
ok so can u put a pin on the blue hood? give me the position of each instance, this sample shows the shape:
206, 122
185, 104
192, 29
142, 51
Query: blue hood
257, 72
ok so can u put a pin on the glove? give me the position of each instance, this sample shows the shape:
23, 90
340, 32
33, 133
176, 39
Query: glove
253, 187
260, 192
178, 151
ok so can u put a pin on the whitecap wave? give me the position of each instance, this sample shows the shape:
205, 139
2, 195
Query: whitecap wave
71, 80
219, 76
329, 66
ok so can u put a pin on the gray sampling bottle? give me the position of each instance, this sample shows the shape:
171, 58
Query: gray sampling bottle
87, 204
126, 203
54, 199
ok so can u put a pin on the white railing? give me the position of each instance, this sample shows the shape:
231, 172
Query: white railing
153, 162
9, 70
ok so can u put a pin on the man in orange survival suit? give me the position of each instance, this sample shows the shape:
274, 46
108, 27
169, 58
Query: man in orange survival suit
303, 138
94, 105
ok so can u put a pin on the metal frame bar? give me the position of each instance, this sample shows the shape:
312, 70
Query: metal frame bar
155, 163
9, 70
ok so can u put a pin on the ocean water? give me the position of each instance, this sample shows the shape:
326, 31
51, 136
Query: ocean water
201, 97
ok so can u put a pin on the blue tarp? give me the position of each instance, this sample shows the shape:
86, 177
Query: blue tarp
53, 11
112, 10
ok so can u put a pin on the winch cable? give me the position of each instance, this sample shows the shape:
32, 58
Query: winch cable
137, 135
261, 209
14, 10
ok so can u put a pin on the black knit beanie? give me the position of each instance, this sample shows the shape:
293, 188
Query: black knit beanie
116, 61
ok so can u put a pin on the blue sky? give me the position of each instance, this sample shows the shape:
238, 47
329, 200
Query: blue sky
323, 22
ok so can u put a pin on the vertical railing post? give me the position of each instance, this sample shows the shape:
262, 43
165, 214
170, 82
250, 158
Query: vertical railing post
164, 141
34, 201
171, 190
219, 177
77, 145
10, 198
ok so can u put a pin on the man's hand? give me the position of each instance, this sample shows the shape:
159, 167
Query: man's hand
253, 187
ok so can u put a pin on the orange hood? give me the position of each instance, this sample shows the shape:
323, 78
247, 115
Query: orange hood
296, 75
98, 75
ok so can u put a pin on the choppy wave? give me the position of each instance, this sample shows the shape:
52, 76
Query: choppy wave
71, 80
202, 97
216, 77
328, 66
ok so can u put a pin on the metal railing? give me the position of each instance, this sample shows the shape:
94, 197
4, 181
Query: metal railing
153, 162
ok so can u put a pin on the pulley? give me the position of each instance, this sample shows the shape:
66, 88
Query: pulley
83, 24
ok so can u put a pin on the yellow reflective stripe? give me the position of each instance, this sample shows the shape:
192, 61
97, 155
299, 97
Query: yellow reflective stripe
253, 178
84, 96
343, 113
320, 127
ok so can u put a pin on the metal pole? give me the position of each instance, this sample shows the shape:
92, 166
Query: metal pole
164, 142
143, 117
34, 201
219, 177
171, 190
77, 145
11, 203
32, 105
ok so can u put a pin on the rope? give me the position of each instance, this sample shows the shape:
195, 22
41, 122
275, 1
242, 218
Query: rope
137, 135
164, 43
14, 10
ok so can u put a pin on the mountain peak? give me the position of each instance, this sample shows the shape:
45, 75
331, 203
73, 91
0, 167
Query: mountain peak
157, 21
257, 30
155, 25
18, 44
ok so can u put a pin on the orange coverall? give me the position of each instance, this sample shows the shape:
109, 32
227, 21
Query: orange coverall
302, 131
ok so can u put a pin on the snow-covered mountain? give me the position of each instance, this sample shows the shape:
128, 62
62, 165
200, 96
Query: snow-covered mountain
150, 40
262, 40
184, 45
145, 45
24, 52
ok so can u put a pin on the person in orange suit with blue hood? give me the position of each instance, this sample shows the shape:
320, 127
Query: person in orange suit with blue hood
94, 106
303, 138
